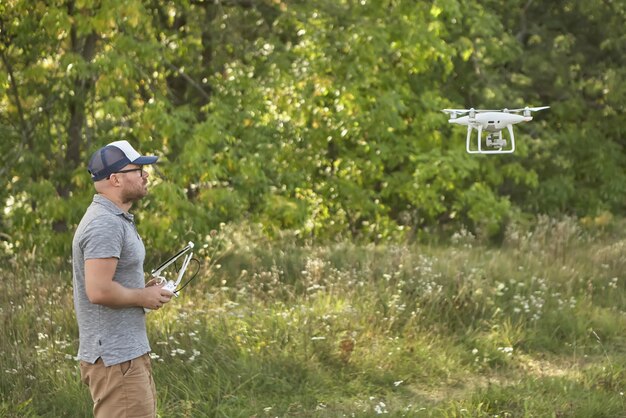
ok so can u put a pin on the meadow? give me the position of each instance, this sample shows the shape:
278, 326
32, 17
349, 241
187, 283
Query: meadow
534, 327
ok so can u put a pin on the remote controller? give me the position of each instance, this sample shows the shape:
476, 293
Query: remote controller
171, 285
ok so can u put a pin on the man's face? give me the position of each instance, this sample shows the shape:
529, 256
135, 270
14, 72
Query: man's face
134, 182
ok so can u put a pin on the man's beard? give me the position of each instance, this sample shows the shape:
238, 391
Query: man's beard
133, 195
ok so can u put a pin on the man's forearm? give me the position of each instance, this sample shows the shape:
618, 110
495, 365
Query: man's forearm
114, 295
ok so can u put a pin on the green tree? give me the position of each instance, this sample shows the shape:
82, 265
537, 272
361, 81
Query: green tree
318, 117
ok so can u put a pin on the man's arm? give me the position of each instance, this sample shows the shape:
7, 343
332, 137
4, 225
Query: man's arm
102, 290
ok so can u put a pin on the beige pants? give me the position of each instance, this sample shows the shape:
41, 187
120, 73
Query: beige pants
122, 390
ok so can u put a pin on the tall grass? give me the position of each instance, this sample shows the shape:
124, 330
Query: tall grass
534, 327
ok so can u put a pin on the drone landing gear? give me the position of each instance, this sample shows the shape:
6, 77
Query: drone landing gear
499, 142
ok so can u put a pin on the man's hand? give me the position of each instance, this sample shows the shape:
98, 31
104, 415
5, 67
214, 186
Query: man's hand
156, 296
152, 282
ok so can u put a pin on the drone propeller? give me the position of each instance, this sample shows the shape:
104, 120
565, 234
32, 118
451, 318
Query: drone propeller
464, 111
456, 111
527, 109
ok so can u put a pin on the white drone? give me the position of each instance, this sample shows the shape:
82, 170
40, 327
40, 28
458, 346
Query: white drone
492, 121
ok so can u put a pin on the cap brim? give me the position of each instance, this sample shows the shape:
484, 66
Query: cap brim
148, 159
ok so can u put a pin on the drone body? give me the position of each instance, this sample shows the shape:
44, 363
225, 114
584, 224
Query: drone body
494, 122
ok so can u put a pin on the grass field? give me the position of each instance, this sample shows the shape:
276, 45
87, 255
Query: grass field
533, 328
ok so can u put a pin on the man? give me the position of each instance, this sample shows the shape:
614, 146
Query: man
109, 288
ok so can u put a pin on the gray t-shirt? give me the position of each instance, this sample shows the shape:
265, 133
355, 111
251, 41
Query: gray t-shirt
115, 334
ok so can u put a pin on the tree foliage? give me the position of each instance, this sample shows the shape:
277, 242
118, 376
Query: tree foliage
318, 117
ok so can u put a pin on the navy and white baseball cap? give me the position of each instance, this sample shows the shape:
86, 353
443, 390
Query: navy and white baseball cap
113, 157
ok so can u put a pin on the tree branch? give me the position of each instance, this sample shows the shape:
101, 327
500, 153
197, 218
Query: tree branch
25, 129
189, 80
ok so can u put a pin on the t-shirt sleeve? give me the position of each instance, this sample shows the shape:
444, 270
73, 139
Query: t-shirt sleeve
103, 238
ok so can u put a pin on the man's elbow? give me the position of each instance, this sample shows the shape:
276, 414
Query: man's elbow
97, 296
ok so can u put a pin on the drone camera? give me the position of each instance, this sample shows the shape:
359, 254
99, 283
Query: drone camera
498, 142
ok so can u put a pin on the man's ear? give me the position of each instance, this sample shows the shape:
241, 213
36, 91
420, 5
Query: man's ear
114, 180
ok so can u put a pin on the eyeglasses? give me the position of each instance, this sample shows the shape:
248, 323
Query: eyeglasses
140, 169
